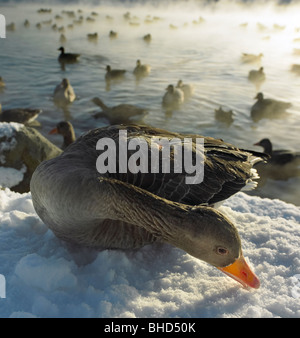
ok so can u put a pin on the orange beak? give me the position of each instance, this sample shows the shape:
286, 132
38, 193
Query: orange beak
53, 131
240, 271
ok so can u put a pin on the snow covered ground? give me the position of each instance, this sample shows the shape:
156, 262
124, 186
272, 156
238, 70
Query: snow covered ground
45, 278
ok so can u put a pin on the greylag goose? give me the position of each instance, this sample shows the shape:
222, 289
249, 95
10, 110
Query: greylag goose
268, 108
122, 113
126, 210
19, 115
173, 98
188, 89
114, 74
65, 129
67, 57
141, 70
251, 58
224, 116
64, 93
257, 77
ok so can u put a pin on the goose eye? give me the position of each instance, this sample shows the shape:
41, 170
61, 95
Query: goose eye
222, 251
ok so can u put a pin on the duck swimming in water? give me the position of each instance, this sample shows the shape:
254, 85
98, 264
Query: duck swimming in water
251, 58
257, 77
268, 108
173, 98
282, 164
114, 74
64, 93
141, 70
122, 113
188, 89
67, 57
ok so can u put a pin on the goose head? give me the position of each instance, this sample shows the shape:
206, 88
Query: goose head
217, 243
65, 82
65, 129
170, 88
179, 84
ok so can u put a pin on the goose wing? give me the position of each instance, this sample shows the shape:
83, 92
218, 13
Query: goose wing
227, 169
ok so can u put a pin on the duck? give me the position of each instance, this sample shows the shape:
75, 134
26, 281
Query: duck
62, 38
268, 108
25, 148
188, 89
281, 165
67, 57
295, 69
90, 19
19, 115
257, 77
64, 93
113, 34
11, 27
141, 70
114, 74
2, 83
122, 113
92, 36
129, 210
174, 97
278, 27
252, 58
147, 37
278, 157
261, 27
224, 116
64, 128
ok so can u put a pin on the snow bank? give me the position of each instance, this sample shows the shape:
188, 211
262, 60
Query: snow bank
45, 278
7, 137
10, 177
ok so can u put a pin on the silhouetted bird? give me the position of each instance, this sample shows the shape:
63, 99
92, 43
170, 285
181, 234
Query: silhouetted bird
268, 108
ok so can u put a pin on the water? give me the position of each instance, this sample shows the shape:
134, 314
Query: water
207, 55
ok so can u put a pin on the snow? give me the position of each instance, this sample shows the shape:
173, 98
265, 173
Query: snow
47, 278
10, 177
7, 132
